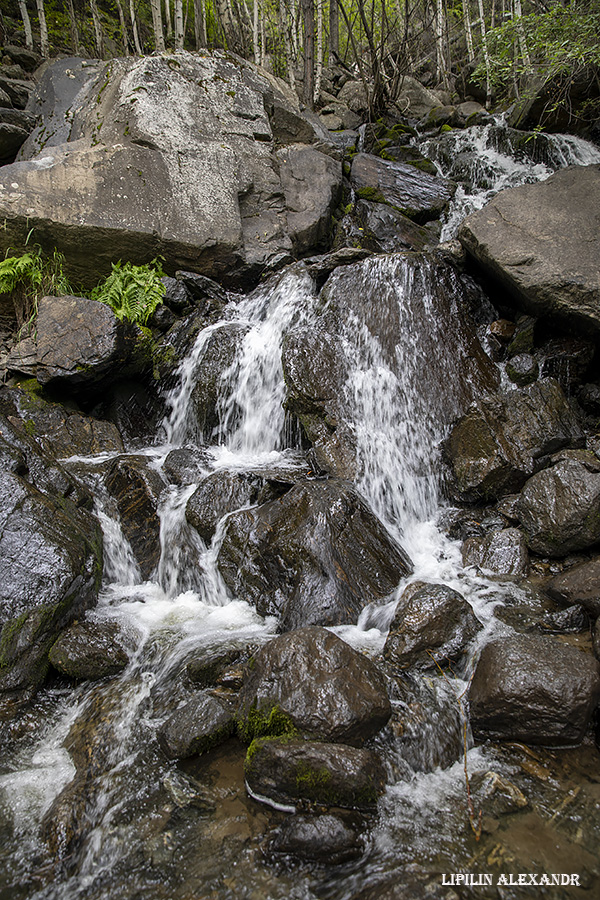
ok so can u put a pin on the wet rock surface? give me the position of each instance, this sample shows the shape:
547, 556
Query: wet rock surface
415, 194
326, 839
90, 650
534, 689
321, 686
579, 584
503, 439
431, 627
502, 553
197, 726
288, 772
314, 556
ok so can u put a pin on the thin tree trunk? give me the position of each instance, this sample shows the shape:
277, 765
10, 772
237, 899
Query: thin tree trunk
199, 24
44, 43
255, 34
178, 6
518, 17
123, 28
134, 28
26, 24
73, 27
334, 28
308, 15
486, 56
290, 60
319, 68
98, 34
168, 18
157, 26
468, 30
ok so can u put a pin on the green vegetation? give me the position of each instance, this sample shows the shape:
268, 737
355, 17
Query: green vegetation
132, 292
262, 723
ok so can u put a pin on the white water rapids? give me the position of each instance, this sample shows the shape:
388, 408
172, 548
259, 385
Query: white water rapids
397, 426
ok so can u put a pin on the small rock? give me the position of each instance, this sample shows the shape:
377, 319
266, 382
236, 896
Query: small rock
198, 726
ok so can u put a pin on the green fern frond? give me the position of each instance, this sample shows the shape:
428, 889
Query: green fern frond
132, 292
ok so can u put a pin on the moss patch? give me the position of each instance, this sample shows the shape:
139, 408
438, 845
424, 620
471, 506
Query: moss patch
265, 723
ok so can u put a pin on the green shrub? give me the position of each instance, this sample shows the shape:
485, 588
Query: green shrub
30, 277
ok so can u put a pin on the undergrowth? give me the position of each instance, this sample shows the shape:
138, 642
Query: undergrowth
132, 292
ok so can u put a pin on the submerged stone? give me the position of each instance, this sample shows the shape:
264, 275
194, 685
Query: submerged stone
199, 725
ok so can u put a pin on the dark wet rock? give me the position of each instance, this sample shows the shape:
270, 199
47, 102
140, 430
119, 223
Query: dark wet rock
50, 558
326, 838
225, 491
572, 620
289, 772
66, 432
205, 293
523, 339
207, 668
137, 488
215, 148
315, 371
90, 650
534, 689
219, 354
502, 329
588, 396
503, 439
186, 466
312, 681
573, 114
201, 724
559, 509
579, 584
415, 194
496, 794
177, 297
134, 408
502, 553
596, 638
11, 138
80, 343
162, 319
522, 369
315, 556
311, 184
385, 229
65, 823
431, 626
426, 724
567, 359
27, 59
405, 885
18, 90
540, 242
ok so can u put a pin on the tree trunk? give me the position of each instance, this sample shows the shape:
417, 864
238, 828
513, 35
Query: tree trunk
518, 17
308, 15
319, 69
468, 30
123, 28
74, 31
157, 26
169, 18
44, 43
178, 24
26, 24
486, 56
199, 24
98, 34
290, 59
136, 37
334, 28
255, 41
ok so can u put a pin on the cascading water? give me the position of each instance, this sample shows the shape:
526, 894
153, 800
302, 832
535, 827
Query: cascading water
150, 829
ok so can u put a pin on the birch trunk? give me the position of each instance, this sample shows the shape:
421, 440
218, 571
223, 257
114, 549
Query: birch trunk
44, 43
518, 17
157, 26
168, 18
98, 34
334, 28
308, 15
134, 28
178, 5
73, 27
199, 24
255, 40
319, 67
486, 56
26, 24
468, 30
123, 28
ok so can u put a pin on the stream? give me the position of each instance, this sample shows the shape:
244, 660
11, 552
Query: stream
150, 828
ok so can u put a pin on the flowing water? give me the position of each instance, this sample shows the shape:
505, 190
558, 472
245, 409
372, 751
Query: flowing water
149, 828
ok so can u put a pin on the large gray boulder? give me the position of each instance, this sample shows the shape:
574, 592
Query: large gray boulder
559, 508
314, 683
579, 584
50, 558
542, 244
315, 556
172, 155
504, 438
534, 689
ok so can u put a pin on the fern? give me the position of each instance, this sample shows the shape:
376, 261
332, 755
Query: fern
132, 292
29, 277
